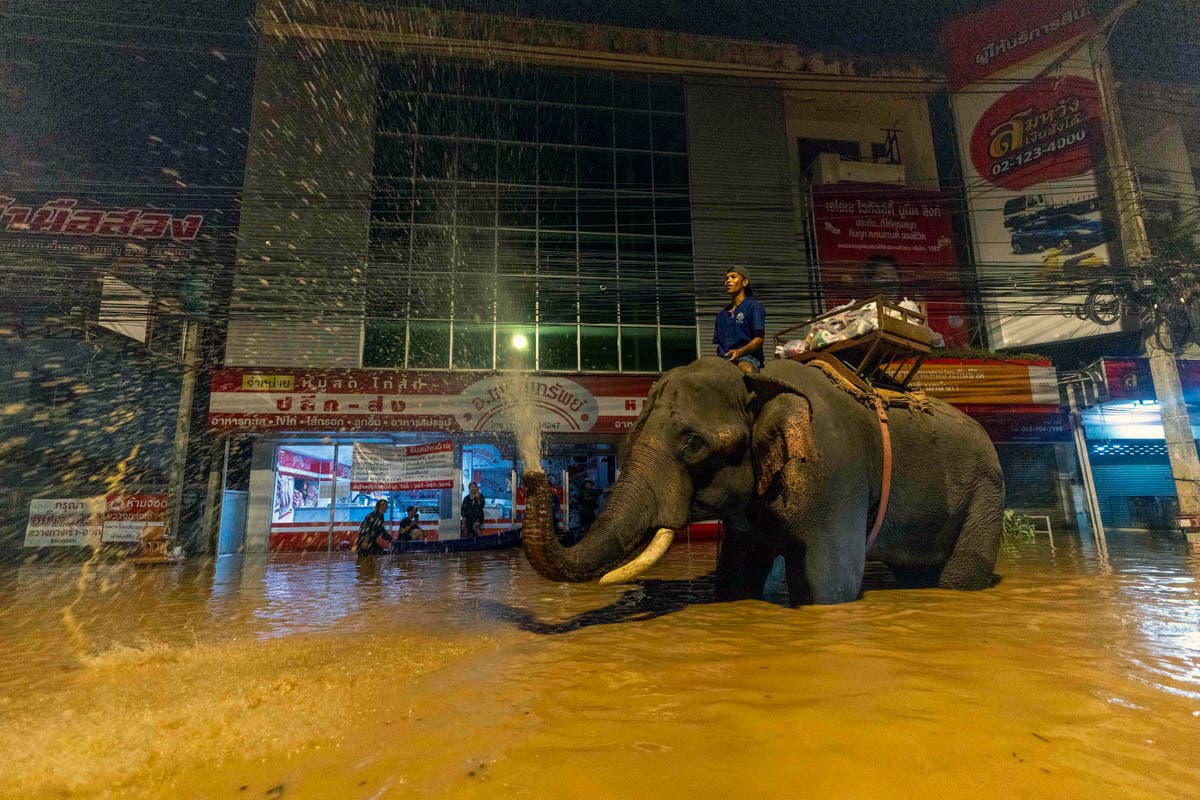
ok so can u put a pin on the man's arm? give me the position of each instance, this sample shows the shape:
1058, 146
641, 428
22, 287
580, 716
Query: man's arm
748, 347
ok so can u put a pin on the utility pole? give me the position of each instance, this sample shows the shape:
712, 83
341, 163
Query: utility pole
1157, 343
190, 351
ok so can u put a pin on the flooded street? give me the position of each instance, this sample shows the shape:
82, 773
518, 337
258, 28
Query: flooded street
468, 676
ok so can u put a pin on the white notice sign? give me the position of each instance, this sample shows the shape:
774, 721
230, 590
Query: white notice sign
386, 468
65, 523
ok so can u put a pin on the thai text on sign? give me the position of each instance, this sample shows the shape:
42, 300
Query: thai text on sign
387, 468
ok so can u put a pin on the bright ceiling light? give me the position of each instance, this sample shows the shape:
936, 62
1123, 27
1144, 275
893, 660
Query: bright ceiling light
519, 342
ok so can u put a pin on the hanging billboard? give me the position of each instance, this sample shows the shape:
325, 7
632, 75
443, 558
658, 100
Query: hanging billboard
1030, 147
875, 239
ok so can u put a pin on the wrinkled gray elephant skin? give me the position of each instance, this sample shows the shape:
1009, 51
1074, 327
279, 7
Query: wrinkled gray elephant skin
793, 466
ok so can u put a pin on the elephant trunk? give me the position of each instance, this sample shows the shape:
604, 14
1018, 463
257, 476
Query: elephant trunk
654, 492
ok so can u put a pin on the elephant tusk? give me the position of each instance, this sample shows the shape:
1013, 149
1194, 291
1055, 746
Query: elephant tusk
658, 547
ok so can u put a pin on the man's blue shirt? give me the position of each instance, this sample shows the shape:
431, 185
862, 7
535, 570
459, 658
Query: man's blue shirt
747, 321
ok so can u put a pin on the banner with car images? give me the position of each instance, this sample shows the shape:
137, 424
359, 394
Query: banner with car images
1030, 146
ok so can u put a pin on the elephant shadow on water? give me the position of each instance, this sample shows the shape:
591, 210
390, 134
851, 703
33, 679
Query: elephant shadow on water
648, 599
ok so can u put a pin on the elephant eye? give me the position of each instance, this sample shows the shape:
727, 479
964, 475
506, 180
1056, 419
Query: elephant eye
692, 442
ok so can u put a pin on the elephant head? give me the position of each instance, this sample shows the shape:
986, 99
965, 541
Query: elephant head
709, 441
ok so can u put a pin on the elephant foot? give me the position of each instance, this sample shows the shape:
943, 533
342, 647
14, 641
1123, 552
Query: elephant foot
966, 572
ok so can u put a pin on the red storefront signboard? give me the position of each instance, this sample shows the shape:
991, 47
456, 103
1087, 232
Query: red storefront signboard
258, 400
130, 517
1130, 379
873, 239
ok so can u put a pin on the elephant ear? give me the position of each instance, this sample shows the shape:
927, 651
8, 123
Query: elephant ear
782, 428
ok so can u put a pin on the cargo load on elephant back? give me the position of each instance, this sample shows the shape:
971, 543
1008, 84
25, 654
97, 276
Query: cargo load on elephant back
800, 461
881, 342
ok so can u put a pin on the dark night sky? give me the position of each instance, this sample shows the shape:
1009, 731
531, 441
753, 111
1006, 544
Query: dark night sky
121, 90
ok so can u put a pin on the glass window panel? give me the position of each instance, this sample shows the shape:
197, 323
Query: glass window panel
556, 253
477, 204
598, 279
596, 169
597, 211
428, 345
435, 158
595, 127
558, 347
397, 112
472, 346
392, 201
518, 207
517, 81
669, 133
639, 349
429, 295
678, 347
383, 343
476, 250
556, 298
438, 115
666, 95
433, 202
517, 164
556, 87
439, 75
636, 255
595, 89
632, 130
672, 216
631, 92
556, 124
556, 166
398, 75
516, 299
476, 119
639, 305
556, 209
516, 252
598, 347
478, 81
670, 174
517, 122
676, 301
635, 213
474, 295
477, 161
633, 171
515, 346
394, 156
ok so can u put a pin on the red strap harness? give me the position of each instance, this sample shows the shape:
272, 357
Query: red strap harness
886, 489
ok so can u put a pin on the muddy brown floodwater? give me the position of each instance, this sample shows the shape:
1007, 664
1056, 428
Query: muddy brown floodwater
467, 676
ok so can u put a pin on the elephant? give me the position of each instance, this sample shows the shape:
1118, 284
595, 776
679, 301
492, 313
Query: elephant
793, 466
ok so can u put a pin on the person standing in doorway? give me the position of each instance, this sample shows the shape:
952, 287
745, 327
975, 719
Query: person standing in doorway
472, 512
373, 532
741, 325
588, 502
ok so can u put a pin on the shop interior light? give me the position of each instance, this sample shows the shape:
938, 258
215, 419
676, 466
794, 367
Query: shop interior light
520, 342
